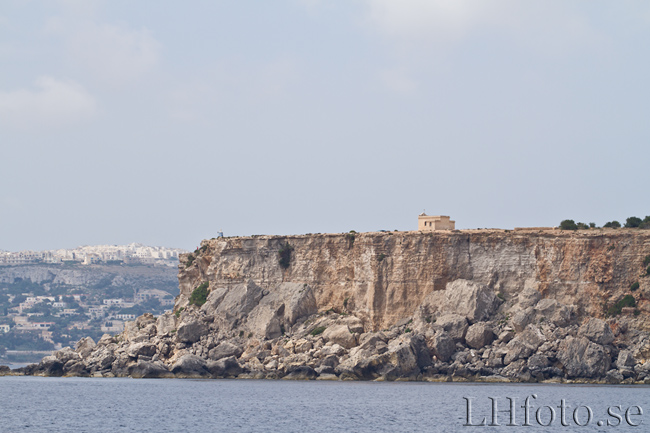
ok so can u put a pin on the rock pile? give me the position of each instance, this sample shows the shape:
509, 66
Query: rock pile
473, 335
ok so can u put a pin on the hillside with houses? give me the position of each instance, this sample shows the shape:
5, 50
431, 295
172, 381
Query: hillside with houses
48, 300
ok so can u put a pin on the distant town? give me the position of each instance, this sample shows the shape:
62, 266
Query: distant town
49, 299
132, 253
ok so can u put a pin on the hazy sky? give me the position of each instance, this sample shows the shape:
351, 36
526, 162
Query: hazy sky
162, 122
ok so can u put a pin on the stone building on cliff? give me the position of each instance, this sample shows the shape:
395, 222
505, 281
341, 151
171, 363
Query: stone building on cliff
429, 223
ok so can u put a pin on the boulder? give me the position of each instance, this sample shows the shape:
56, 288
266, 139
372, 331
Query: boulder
402, 356
597, 331
523, 318
583, 358
341, 335
528, 297
145, 320
66, 354
166, 323
191, 332
49, 366
614, 377
515, 350
532, 337
281, 307
355, 324
225, 350
298, 299
517, 370
149, 370
302, 346
225, 367
455, 325
506, 336
141, 349
330, 361
266, 320
372, 341
625, 359
85, 347
106, 340
553, 311
75, 368
537, 362
239, 300
106, 361
190, 366
479, 335
442, 346
302, 372
470, 299
332, 349
213, 300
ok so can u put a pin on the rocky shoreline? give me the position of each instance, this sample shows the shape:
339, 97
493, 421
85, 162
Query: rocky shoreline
467, 333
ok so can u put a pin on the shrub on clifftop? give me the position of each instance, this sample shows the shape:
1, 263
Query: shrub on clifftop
200, 294
568, 225
633, 222
613, 225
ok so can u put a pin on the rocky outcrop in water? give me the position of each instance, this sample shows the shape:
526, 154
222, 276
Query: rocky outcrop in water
455, 306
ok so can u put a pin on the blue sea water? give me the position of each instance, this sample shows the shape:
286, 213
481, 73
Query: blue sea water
34, 404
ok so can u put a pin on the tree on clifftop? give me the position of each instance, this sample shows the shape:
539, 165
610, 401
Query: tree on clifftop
568, 225
633, 222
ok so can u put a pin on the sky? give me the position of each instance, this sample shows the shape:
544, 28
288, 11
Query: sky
163, 122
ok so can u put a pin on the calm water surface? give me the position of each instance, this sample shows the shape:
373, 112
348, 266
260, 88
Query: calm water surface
32, 404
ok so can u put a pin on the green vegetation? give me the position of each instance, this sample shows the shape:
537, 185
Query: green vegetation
285, 255
381, 257
634, 286
178, 312
646, 261
351, 237
568, 225
200, 294
613, 225
646, 223
407, 330
345, 302
318, 330
633, 222
190, 260
627, 301
647, 271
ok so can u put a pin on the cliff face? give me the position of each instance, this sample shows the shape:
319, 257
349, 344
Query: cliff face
473, 305
383, 278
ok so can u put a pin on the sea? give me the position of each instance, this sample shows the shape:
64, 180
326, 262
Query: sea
37, 404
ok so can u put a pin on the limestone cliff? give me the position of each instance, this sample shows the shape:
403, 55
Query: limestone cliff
472, 305
383, 278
